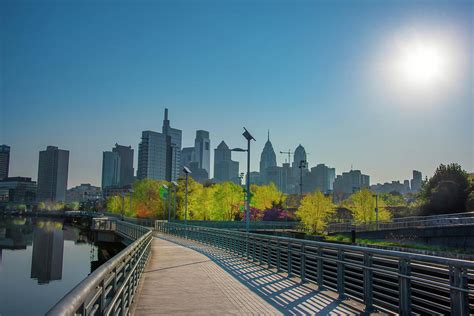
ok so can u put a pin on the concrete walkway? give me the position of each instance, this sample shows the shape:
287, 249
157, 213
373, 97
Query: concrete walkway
186, 277
181, 281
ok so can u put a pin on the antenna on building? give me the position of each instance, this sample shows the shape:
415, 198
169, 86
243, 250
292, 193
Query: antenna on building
269, 135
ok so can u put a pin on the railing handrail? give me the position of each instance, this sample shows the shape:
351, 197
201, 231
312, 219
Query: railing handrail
76, 298
370, 275
398, 223
336, 246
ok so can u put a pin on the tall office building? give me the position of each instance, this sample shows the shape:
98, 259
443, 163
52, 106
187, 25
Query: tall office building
126, 172
268, 157
300, 155
350, 182
322, 178
173, 147
47, 257
110, 169
202, 152
225, 169
416, 181
52, 174
4, 161
152, 152
187, 157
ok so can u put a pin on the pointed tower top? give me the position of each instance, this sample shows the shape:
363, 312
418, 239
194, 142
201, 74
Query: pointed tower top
269, 135
166, 114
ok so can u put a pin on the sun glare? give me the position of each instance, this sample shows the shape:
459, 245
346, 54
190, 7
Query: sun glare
422, 64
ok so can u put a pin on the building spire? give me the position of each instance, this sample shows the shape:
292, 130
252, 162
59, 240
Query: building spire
268, 134
166, 114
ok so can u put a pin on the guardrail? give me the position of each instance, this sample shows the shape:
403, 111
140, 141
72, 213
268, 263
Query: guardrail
240, 225
404, 223
109, 290
392, 281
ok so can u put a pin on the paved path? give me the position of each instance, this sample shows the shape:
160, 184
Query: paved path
185, 277
181, 281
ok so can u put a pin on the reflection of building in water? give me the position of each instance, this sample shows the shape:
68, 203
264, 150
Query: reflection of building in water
47, 258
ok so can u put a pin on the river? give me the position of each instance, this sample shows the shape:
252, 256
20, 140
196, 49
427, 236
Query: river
43, 259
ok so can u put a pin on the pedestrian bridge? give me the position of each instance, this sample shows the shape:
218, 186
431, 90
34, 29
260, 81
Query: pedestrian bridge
183, 269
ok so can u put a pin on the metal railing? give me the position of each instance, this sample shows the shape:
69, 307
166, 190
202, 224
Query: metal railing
405, 223
109, 290
393, 281
240, 225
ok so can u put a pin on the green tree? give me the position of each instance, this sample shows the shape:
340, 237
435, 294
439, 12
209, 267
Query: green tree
314, 211
362, 205
447, 191
265, 196
228, 196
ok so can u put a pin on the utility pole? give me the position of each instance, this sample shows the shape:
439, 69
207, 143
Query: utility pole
301, 166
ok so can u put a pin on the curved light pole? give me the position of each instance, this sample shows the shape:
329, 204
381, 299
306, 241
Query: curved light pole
248, 137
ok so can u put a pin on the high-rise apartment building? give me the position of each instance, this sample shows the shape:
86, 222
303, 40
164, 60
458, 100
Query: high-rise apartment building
202, 152
52, 174
152, 152
350, 182
322, 178
187, 157
173, 154
4, 161
416, 181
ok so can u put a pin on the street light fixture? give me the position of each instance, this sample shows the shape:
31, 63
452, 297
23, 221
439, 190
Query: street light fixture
301, 166
249, 138
187, 172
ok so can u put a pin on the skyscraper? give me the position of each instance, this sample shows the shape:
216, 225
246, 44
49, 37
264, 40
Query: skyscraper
173, 148
300, 155
323, 178
110, 169
52, 174
4, 161
416, 181
152, 152
225, 169
202, 152
125, 154
187, 156
267, 159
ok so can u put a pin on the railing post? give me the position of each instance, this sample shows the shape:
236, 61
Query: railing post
404, 284
340, 273
290, 264
459, 291
303, 263
368, 289
320, 267
278, 254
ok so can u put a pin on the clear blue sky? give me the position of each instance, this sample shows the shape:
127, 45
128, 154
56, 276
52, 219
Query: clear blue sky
84, 75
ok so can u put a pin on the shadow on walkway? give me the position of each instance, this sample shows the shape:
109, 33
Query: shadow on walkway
285, 294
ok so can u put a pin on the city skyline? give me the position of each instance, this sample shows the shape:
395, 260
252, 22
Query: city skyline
290, 73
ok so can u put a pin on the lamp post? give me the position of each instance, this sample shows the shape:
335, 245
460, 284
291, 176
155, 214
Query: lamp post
165, 189
186, 172
376, 196
248, 137
131, 198
301, 166
175, 185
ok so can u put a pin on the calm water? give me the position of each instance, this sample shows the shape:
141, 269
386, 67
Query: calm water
43, 259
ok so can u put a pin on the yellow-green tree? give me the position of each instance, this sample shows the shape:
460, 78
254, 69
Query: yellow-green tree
264, 196
314, 211
227, 198
362, 206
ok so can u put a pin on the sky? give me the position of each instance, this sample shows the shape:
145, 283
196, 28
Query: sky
84, 75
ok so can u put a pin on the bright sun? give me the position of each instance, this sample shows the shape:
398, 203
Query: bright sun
421, 64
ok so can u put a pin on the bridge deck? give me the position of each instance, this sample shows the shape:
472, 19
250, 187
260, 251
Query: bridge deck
188, 278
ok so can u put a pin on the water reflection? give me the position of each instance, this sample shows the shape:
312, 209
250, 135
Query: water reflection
48, 248
43, 259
